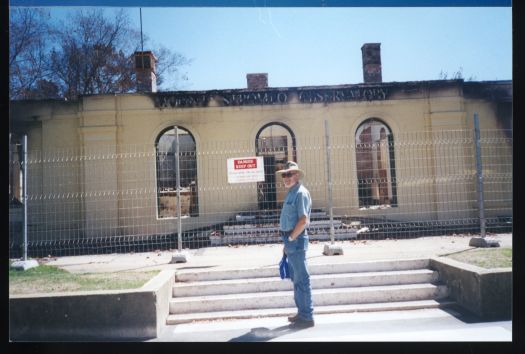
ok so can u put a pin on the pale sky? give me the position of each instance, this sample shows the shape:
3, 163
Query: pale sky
322, 46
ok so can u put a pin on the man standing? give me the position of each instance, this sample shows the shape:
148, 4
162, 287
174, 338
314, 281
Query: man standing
295, 217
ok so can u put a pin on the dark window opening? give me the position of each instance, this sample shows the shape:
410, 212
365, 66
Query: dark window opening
276, 143
167, 174
375, 165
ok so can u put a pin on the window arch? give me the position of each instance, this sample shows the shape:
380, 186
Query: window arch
276, 137
276, 143
375, 164
165, 146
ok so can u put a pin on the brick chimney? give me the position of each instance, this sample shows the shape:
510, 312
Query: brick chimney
145, 70
257, 81
371, 62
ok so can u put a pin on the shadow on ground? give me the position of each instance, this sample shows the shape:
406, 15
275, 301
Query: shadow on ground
468, 317
262, 334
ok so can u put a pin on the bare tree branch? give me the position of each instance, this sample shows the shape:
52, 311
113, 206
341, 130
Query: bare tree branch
90, 53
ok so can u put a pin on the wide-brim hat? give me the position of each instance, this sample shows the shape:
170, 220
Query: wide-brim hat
292, 167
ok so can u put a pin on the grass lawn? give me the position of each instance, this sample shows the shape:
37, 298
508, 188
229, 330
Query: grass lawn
489, 258
49, 279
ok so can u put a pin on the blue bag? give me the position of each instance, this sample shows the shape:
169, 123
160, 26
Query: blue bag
283, 268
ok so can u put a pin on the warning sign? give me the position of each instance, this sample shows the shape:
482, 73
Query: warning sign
246, 169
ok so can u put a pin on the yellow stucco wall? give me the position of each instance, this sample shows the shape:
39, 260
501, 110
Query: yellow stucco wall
116, 173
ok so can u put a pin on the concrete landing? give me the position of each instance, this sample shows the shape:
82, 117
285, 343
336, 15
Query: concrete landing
423, 325
335, 309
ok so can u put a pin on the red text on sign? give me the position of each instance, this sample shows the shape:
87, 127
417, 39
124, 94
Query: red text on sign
244, 164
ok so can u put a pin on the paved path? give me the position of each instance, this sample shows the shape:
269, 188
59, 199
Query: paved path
435, 325
267, 255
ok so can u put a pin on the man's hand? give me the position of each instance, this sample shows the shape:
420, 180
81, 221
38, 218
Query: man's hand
299, 227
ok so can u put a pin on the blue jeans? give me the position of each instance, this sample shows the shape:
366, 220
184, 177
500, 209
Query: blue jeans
296, 253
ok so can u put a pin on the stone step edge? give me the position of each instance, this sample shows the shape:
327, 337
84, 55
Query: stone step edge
174, 319
253, 272
312, 277
253, 296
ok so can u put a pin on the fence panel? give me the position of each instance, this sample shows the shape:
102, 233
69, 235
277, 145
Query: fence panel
123, 198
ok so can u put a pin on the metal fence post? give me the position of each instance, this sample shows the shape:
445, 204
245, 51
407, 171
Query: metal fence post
480, 241
329, 184
179, 257
24, 264
177, 171
331, 249
24, 196
479, 174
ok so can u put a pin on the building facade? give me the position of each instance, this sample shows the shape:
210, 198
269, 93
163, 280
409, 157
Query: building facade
109, 160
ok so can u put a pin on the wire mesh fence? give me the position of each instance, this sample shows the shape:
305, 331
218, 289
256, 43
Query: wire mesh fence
123, 198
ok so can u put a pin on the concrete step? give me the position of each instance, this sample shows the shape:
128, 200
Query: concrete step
320, 281
274, 227
272, 216
289, 311
250, 237
314, 269
321, 297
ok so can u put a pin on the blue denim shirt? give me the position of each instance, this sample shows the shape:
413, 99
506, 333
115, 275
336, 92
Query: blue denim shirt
296, 204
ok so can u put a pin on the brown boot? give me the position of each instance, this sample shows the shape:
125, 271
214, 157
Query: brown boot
293, 318
300, 323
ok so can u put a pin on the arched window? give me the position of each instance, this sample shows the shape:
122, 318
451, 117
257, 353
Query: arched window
276, 143
375, 164
167, 173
